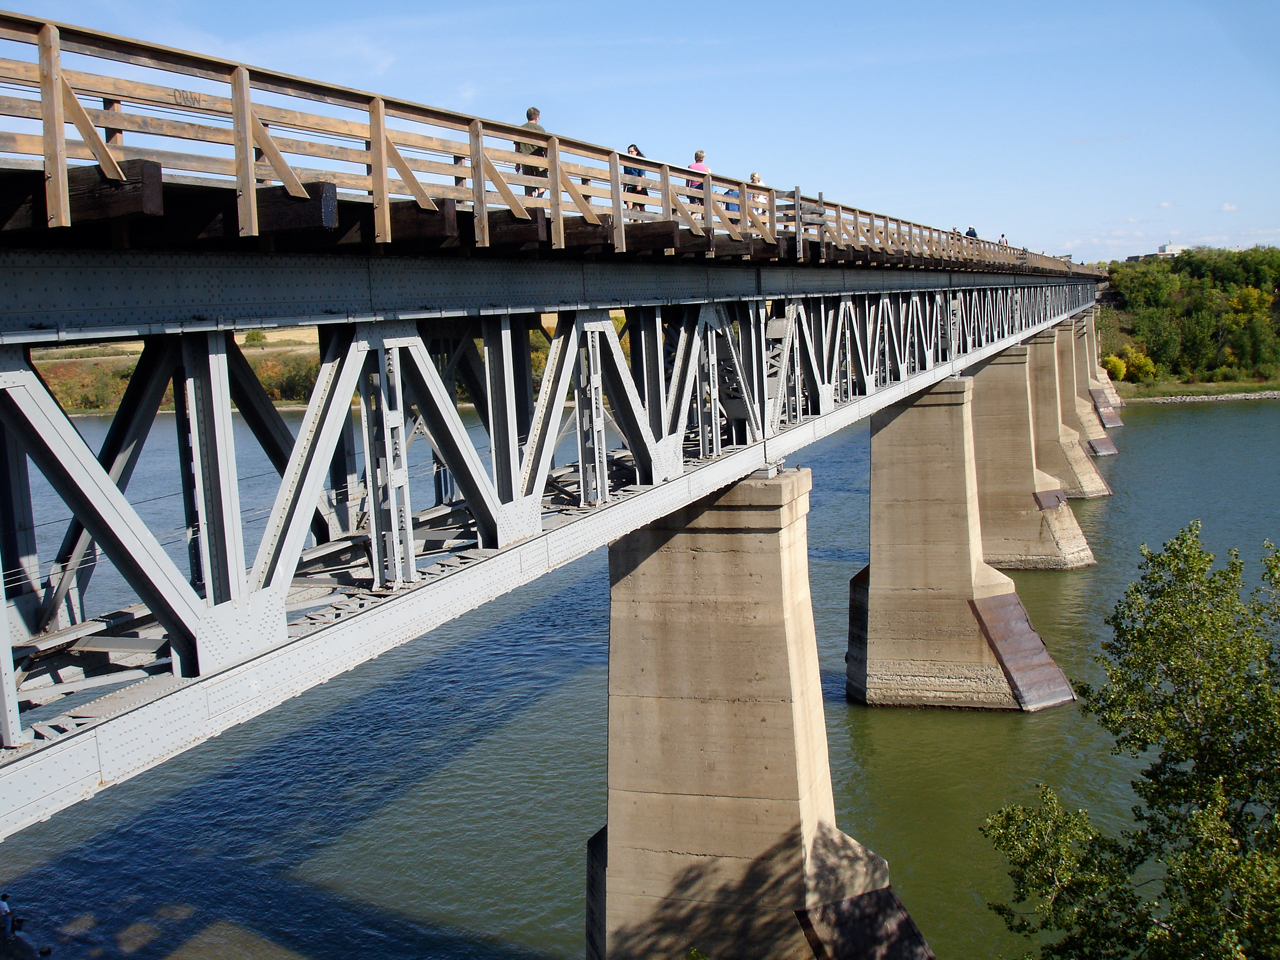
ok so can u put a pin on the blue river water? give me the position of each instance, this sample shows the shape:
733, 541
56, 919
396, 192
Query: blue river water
437, 801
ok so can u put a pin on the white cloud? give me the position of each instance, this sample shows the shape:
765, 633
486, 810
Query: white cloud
1165, 203
1229, 206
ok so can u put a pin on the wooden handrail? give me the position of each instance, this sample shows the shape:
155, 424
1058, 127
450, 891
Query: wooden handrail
381, 148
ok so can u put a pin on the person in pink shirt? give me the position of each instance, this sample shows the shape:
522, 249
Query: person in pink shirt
698, 158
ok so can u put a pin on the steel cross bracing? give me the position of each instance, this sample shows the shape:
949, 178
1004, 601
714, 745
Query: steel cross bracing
668, 405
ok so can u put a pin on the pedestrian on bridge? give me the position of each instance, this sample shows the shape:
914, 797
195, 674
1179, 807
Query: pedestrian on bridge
1003, 241
634, 151
699, 157
533, 114
971, 233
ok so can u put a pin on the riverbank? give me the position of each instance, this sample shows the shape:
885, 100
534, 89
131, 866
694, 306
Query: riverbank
1176, 391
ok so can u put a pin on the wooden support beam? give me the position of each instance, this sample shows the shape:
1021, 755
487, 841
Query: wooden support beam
581, 232
89, 133
280, 209
242, 121
556, 194
479, 205
53, 116
578, 199
91, 196
505, 227
615, 191
651, 235
504, 190
408, 176
409, 221
378, 171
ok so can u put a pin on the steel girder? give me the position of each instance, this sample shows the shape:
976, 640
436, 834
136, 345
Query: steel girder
672, 403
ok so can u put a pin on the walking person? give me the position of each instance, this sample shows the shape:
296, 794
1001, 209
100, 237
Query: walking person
533, 115
699, 164
634, 151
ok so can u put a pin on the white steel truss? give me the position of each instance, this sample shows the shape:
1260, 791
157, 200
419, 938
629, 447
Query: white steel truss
666, 404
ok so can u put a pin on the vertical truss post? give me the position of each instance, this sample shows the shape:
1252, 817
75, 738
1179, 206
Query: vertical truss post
647, 369
593, 462
187, 475
522, 328
204, 360
708, 399
344, 477
18, 557
386, 469
20, 566
500, 388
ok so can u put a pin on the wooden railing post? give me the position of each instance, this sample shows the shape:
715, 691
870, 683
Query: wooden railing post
773, 213
242, 130
668, 208
553, 181
479, 205
52, 113
378, 171
615, 191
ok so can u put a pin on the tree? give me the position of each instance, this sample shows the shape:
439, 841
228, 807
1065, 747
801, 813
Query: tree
1193, 687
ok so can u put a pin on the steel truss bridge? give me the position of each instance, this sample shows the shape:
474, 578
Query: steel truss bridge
690, 341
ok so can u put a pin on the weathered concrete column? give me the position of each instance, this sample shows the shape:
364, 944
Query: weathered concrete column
1058, 449
1078, 413
1095, 353
1026, 521
1093, 385
930, 623
722, 831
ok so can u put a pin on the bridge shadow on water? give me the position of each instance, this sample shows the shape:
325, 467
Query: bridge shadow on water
221, 852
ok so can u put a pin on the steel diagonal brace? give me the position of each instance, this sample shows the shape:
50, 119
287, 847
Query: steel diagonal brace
55, 445
268, 428
629, 413
118, 456
450, 440
303, 479
544, 431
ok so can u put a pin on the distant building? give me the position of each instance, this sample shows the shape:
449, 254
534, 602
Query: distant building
1171, 249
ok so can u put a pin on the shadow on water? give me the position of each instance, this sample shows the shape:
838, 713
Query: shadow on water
223, 849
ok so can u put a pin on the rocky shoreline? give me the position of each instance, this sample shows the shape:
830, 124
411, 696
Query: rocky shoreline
1208, 397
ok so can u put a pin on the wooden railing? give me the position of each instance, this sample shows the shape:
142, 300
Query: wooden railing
225, 123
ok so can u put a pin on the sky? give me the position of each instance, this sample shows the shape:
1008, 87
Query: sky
1097, 129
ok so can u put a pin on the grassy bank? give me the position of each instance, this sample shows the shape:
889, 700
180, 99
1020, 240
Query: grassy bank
1176, 388
93, 379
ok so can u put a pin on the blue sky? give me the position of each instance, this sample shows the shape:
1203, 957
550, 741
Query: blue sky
1098, 129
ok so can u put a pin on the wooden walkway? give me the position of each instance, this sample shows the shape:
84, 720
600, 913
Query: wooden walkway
172, 148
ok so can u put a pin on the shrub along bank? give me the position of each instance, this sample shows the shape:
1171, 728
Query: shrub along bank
1204, 317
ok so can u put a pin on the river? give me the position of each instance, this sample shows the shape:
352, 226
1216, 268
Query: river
436, 802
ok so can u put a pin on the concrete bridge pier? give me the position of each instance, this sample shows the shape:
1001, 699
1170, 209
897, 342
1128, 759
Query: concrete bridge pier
1078, 411
1093, 384
1059, 451
1026, 521
721, 827
930, 623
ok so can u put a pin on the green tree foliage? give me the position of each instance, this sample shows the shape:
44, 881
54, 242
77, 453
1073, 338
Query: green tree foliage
255, 338
1207, 314
1193, 688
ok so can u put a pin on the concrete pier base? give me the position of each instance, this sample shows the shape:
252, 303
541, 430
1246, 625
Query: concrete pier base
1059, 452
1077, 410
930, 623
1026, 521
721, 826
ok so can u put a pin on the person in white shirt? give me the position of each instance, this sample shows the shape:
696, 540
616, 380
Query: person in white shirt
6, 916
